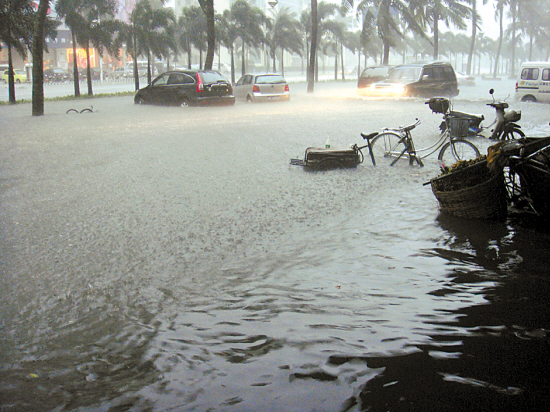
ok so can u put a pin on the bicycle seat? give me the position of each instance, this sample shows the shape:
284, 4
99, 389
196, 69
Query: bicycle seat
499, 105
369, 136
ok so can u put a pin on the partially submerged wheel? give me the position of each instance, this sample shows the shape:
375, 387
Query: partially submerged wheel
139, 100
513, 134
387, 144
329, 163
249, 99
529, 98
184, 103
460, 150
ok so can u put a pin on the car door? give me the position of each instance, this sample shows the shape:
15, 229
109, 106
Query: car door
157, 90
239, 88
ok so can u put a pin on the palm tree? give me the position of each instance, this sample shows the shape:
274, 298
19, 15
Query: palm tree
450, 12
313, 48
208, 9
38, 58
227, 35
91, 23
388, 16
16, 24
475, 27
248, 22
499, 9
284, 35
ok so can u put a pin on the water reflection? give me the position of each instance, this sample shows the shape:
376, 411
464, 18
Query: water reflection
493, 356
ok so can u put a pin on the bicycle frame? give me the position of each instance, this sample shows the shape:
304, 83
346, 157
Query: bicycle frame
407, 140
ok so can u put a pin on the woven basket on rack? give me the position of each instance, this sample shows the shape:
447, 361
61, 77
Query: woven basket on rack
473, 192
459, 126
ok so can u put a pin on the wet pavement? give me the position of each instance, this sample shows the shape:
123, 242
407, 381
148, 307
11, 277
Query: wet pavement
160, 258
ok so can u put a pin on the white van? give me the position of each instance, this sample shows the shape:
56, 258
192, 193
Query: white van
533, 84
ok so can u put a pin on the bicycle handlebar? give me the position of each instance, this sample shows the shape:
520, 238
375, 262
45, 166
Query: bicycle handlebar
409, 127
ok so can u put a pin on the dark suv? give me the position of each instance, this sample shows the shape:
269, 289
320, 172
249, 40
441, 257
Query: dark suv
187, 88
418, 79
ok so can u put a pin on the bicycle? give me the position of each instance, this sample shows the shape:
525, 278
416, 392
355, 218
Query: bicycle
527, 173
398, 143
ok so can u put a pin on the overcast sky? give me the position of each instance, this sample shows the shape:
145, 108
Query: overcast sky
487, 12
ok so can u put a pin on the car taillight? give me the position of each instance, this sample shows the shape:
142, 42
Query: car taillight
286, 88
256, 89
516, 86
200, 85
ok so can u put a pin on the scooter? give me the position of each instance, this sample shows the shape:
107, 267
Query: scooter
443, 106
505, 126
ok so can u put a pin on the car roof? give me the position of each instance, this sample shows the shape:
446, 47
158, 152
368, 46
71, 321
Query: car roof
424, 64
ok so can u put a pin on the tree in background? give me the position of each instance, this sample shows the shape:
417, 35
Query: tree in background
248, 23
38, 39
16, 25
450, 12
207, 7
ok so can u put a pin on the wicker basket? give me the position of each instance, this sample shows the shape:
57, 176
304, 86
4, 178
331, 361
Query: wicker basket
473, 192
459, 126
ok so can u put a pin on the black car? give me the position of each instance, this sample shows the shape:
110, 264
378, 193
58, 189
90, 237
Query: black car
372, 75
187, 88
56, 74
418, 79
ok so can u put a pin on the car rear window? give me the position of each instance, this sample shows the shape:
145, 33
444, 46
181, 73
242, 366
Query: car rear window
270, 79
212, 77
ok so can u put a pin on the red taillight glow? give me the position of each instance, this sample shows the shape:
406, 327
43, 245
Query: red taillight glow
516, 86
256, 89
286, 88
200, 86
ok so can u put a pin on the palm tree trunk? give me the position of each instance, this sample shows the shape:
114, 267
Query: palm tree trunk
76, 81
11, 78
243, 66
38, 59
232, 64
436, 35
499, 47
210, 34
313, 50
88, 69
473, 40
513, 6
136, 74
342, 61
336, 62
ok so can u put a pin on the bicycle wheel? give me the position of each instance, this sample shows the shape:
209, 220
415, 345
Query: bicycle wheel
513, 134
387, 144
460, 150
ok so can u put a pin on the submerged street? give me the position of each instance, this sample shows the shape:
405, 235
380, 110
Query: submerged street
171, 259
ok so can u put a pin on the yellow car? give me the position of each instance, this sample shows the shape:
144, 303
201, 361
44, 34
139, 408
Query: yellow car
18, 77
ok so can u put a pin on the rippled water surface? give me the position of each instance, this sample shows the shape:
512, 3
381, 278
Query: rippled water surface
160, 259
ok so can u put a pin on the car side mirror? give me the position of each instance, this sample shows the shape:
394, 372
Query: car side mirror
491, 91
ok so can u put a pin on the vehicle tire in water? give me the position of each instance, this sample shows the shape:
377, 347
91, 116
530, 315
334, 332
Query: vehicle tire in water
139, 101
463, 150
513, 134
249, 99
184, 103
387, 144
329, 163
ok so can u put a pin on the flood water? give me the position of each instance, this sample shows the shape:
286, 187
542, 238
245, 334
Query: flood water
169, 259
